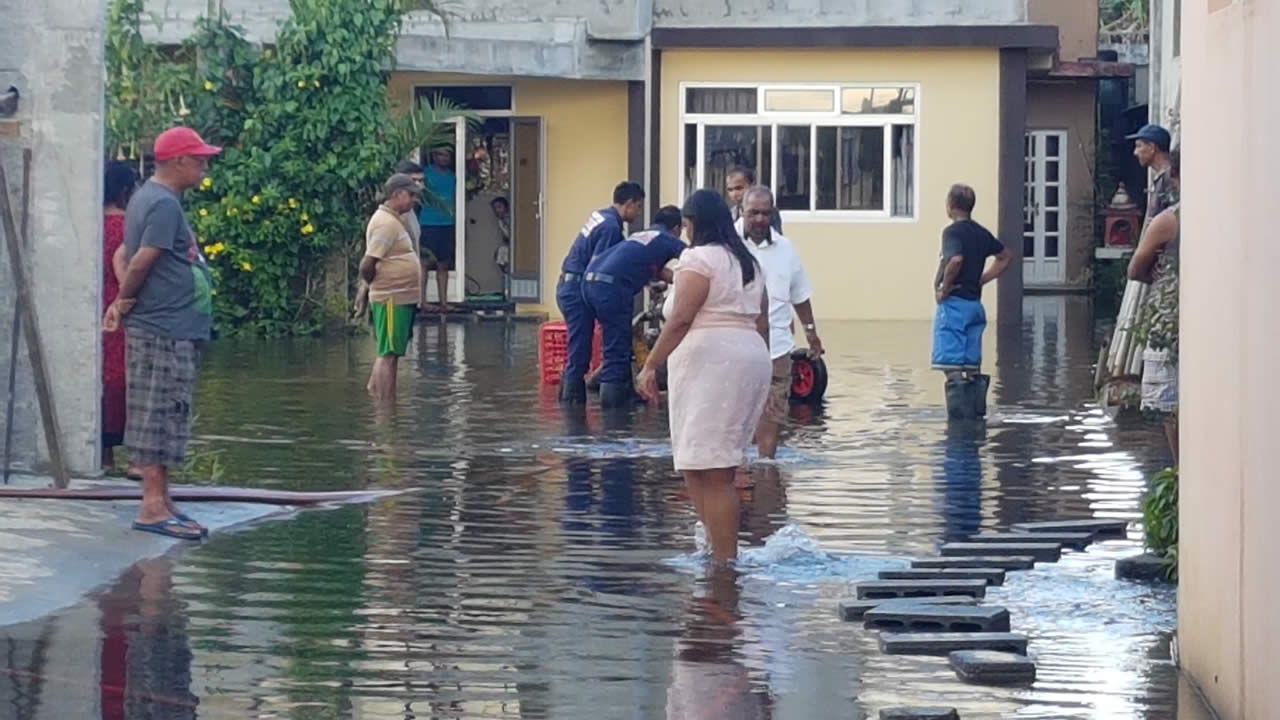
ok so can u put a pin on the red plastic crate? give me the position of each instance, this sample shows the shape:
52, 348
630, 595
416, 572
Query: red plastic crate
553, 350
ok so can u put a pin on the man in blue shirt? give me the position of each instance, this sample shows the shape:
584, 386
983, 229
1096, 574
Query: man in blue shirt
602, 231
439, 228
612, 281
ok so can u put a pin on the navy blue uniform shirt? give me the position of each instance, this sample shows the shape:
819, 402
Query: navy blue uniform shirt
602, 231
633, 262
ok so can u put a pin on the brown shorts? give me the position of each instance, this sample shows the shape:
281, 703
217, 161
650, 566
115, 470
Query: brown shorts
778, 407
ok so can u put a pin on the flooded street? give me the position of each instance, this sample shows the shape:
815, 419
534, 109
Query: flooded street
546, 570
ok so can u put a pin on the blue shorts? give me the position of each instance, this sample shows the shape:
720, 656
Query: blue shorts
957, 334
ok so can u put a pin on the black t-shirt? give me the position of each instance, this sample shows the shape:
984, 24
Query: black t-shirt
975, 244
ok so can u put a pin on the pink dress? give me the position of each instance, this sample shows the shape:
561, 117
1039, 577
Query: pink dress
719, 375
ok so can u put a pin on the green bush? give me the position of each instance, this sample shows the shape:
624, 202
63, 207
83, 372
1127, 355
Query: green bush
1160, 518
309, 134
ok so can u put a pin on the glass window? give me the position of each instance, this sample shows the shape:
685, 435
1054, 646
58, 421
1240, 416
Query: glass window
850, 168
821, 100
904, 170
471, 97
791, 184
730, 146
720, 101
879, 101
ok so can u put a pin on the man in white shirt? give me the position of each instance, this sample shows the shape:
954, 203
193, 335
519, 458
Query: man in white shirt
789, 288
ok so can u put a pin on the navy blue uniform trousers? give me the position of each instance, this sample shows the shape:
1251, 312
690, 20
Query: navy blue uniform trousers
580, 321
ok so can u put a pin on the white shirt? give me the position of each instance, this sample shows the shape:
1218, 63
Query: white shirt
788, 286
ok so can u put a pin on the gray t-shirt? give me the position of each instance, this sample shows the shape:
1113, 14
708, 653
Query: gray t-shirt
176, 300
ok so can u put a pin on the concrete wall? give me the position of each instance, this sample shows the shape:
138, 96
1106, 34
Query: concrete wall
1228, 617
584, 151
1077, 23
52, 51
1071, 105
1166, 66
871, 270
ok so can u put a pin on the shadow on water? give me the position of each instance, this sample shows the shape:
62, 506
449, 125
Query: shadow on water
548, 565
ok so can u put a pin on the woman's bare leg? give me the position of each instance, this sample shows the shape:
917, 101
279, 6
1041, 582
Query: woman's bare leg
719, 512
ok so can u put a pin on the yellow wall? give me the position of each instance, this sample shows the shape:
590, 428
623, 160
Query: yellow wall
871, 270
585, 126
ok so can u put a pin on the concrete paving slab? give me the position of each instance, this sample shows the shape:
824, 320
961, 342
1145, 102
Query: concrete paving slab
851, 610
58, 550
1010, 562
1144, 568
993, 576
919, 713
1099, 527
1042, 552
938, 619
1073, 540
989, 667
947, 643
878, 589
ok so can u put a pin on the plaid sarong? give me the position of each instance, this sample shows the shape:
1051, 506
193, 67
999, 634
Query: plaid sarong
161, 377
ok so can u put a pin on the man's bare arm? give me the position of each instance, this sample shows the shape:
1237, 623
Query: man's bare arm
368, 268
950, 273
136, 273
998, 267
1158, 234
119, 265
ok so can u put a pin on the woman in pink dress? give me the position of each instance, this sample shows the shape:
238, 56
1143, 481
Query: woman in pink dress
716, 346
118, 187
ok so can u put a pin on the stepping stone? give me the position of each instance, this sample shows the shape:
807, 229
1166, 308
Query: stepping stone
1102, 528
919, 713
993, 576
1042, 552
885, 589
851, 610
1009, 562
1075, 541
993, 668
947, 643
938, 619
1143, 568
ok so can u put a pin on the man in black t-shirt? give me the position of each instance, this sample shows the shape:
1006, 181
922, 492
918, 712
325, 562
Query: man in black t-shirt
962, 271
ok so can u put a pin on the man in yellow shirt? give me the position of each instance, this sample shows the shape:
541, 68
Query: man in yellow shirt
393, 271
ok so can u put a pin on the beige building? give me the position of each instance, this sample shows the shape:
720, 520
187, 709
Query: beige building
1229, 590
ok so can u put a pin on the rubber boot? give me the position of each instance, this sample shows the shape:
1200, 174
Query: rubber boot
959, 400
573, 393
978, 386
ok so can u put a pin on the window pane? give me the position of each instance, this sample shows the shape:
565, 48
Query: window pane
1051, 246
747, 146
690, 158
1052, 199
722, 101
1028, 246
1051, 170
1051, 220
791, 186
799, 100
471, 97
851, 168
904, 171
1052, 146
894, 101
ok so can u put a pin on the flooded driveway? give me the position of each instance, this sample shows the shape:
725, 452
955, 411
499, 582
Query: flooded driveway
545, 568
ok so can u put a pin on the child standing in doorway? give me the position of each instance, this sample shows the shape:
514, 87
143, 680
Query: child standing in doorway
502, 256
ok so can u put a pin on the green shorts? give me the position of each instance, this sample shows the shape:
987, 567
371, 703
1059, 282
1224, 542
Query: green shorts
392, 327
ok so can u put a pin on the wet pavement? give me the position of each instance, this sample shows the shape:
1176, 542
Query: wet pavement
547, 568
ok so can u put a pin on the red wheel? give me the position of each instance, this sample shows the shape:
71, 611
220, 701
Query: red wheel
808, 378
802, 379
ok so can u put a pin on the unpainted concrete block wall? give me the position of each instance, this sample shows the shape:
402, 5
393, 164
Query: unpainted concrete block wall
53, 53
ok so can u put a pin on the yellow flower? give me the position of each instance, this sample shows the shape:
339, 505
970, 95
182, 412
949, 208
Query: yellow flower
305, 217
308, 229
316, 83
232, 211
208, 85
256, 199
206, 183
246, 266
203, 212
293, 202
302, 83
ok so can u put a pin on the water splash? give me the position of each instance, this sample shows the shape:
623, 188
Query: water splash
790, 555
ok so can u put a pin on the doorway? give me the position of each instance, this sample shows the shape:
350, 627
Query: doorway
1044, 213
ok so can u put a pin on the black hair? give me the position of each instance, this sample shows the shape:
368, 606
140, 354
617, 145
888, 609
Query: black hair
962, 198
500, 199
118, 183
409, 167
747, 173
713, 225
627, 192
669, 217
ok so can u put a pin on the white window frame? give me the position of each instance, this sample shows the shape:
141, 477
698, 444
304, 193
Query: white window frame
813, 120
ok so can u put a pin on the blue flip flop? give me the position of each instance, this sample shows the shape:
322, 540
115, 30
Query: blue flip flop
185, 518
168, 528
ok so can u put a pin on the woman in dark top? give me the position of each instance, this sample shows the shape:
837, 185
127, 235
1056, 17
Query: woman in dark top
117, 189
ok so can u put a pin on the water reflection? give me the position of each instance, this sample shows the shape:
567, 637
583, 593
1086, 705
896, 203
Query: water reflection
544, 568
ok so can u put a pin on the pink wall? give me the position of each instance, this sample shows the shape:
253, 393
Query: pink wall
1229, 596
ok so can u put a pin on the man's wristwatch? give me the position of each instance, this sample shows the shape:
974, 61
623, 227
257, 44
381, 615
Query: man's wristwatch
811, 329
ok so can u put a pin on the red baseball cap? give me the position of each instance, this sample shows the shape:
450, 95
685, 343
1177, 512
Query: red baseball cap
182, 141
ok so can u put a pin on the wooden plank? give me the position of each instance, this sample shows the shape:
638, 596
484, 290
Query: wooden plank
31, 332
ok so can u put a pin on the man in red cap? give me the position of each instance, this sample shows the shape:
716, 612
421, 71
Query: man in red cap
166, 305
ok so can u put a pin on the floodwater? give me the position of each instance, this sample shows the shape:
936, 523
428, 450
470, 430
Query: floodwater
546, 566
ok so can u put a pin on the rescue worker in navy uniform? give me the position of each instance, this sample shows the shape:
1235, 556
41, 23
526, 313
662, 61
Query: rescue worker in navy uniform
612, 281
603, 230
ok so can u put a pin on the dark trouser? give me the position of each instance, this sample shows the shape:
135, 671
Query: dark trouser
580, 321
612, 305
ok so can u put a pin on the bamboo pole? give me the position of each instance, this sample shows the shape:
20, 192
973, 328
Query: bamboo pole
16, 325
31, 332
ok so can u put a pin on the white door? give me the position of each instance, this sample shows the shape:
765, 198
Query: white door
1045, 216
